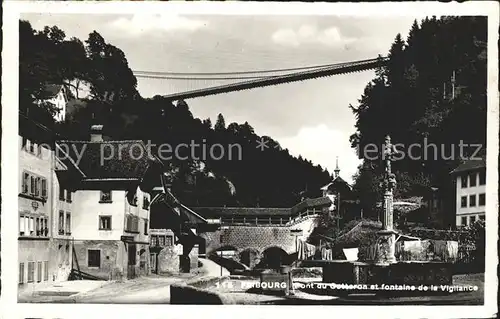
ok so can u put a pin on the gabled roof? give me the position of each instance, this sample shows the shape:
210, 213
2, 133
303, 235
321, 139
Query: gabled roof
470, 165
107, 160
51, 90
337, 180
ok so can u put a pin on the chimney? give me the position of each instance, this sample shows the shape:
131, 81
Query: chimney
96, 133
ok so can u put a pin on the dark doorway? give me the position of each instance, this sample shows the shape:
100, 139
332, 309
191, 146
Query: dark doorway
274, 258
132, 255
249, 257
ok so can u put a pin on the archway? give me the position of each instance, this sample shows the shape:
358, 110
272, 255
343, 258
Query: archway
250, 257
273, 258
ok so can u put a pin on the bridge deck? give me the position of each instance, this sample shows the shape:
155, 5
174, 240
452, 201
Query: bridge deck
343, 68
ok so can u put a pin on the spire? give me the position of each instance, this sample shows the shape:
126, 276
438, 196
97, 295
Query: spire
337, 169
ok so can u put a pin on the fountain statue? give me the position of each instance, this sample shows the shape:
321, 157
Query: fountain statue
386, 243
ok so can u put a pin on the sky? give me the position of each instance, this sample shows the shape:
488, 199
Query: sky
311, 118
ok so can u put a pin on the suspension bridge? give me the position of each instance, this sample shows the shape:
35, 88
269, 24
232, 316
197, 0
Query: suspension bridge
212, 83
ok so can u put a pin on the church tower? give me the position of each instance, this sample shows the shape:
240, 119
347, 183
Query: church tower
337, 169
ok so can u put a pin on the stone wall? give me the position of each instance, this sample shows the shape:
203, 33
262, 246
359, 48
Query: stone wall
61, 262
259, 238
169, 259
113, 258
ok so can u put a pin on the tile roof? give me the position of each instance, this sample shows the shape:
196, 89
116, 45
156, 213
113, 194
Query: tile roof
469, 165
215, 212
100, 160
311, 202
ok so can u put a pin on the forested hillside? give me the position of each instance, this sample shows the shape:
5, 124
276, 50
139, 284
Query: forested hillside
265, 178
433, 91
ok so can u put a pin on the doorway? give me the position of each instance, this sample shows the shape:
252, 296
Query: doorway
132, 255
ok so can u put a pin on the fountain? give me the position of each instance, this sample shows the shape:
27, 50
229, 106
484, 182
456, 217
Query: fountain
384, 268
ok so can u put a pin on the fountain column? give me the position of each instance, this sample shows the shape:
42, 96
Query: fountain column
386, 243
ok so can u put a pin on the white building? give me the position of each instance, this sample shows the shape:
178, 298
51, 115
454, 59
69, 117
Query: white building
109, 190
470, 179
57, 95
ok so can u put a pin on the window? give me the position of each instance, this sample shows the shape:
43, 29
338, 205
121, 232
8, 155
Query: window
169, 241
146, 227
472, 219
94, 258
464, 181
32, 184
21, 273
44, 188
68, 196
132, 200
104, 222
31, 226
482, 217
23, 143
473, 179
161, 240
154, 240
145, 202
45, 229
472, 200
45, 271
132, 224
37, 186
22, 226
61, 193
39, 151
105, 197
31, 271
464, 201
68, 223
482, 199
26, 181
464, 221
39, 271
482, 178
38, 226
61, 222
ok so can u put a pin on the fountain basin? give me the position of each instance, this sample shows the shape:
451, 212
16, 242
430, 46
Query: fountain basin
399, 273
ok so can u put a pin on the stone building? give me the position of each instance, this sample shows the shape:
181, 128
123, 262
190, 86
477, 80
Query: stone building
36, 161
470, 178
165, 250
110, 183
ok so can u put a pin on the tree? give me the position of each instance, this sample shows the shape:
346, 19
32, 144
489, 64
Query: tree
220, 125
431, 88
208, 123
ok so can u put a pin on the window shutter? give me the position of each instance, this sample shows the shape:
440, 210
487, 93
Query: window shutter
21, 224
44, 188
32, 190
